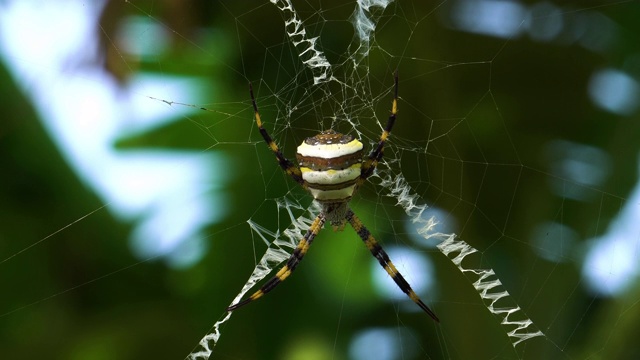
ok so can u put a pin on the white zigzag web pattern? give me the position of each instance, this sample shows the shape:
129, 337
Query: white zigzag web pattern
487, 288
310, 55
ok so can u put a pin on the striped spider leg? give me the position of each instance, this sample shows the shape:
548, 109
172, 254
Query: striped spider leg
331, 167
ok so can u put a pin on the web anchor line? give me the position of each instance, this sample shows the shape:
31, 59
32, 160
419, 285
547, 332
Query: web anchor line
488, 285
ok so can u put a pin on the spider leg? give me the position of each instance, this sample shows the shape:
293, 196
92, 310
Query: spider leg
291, 264
286, 164
369, 165
383, 259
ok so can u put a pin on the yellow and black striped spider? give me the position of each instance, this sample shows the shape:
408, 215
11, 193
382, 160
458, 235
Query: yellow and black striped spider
331, 167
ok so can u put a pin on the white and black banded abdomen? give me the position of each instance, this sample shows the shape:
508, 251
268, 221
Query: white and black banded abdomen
330, 163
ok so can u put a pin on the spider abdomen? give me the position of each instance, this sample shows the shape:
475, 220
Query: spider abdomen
330, 163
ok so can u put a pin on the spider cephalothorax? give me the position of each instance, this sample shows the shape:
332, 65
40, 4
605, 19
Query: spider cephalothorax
331, 166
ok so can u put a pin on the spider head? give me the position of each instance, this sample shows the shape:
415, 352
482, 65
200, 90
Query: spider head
330, 163
336, 214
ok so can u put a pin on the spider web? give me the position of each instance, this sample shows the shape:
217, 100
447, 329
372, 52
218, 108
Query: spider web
508, 171
352, 93
314, 60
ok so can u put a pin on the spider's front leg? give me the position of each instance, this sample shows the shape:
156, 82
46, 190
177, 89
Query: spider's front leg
291, 264
379, 253
286, 164
369, 165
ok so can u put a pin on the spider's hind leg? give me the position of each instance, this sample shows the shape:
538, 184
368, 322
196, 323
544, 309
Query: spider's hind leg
370, 163
289, 167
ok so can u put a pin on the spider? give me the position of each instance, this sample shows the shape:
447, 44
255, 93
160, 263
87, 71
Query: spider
331, 167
